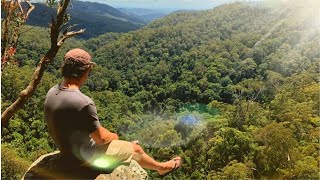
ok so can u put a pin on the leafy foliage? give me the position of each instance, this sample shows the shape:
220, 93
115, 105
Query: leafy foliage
12, 166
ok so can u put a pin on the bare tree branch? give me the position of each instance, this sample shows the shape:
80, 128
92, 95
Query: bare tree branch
12, 10
21, 9
42, 65
5, 30
29, 10
68, 35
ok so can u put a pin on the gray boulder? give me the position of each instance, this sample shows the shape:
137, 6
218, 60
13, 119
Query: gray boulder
53, 166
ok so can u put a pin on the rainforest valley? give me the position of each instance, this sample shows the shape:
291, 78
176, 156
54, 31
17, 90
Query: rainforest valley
233, 90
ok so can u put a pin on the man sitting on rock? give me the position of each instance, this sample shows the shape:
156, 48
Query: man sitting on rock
74, 126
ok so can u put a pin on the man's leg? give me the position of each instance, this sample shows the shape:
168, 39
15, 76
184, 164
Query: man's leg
124, 150
148, 162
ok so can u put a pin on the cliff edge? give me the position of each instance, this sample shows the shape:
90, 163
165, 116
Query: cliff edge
53, 166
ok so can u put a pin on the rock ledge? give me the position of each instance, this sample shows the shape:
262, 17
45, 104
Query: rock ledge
52, 166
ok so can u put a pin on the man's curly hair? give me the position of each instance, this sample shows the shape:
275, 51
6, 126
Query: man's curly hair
74, 69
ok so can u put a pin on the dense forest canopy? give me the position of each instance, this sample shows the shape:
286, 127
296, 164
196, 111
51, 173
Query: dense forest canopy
234, 90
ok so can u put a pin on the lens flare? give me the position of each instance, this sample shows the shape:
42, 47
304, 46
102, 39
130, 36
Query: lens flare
177, 129
102, 163
190, 120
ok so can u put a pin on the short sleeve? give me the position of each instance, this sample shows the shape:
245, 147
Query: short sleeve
90, 118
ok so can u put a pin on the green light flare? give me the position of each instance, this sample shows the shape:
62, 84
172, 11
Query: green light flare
102, 163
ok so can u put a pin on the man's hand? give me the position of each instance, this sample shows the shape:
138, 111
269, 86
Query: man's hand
103, 136
115, 136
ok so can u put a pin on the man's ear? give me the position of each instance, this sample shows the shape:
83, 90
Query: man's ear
84, 77
88, 71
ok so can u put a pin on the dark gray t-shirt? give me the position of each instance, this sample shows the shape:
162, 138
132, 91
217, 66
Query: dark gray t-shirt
71, 116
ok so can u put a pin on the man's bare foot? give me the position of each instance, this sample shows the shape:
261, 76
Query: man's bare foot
170, 166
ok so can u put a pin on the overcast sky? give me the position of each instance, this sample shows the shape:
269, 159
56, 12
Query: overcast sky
172, 4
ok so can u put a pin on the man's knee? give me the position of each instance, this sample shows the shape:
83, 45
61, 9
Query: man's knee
137, 149
137, 152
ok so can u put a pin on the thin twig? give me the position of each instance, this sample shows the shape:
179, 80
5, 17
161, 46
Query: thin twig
68, 35
31, 8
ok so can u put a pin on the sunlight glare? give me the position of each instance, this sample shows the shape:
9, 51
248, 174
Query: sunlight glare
102, 163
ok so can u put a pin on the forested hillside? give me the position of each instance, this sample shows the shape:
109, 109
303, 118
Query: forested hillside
234, 90
96, 18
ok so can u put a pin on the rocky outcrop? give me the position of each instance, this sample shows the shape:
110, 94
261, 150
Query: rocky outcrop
53, 166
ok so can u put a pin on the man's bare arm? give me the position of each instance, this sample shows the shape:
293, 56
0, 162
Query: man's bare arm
103, 136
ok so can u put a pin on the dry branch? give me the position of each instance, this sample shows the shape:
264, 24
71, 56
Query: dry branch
9, 39
31, 7
68, 35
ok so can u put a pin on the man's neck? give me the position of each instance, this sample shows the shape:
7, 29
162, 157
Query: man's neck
71, 83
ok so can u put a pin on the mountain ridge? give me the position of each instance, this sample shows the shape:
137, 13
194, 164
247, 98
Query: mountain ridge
96, 18
147, 15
